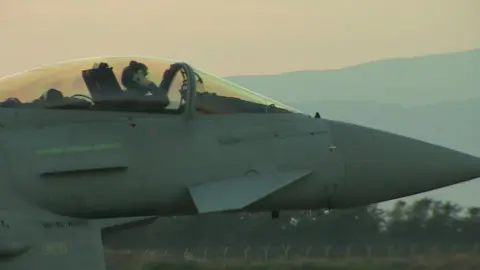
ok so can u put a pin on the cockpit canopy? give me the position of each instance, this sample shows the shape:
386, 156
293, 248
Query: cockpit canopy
129, 84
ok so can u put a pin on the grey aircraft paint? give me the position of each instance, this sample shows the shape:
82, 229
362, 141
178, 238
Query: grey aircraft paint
87, 153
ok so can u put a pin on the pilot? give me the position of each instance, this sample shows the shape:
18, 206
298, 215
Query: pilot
134, 79
50, 97
11, 103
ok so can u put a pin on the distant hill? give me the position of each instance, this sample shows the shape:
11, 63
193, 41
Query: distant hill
409, 81
433, 98
453, 124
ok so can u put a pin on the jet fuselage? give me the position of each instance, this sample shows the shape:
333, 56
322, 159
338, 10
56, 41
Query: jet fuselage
97, 165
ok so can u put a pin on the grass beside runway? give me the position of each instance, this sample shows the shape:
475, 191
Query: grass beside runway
142, 262
344, 265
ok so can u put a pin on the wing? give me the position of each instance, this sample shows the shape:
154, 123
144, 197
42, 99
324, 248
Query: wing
237, 193
72, 244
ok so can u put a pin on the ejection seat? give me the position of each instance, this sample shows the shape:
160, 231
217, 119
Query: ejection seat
102, 83
105, 90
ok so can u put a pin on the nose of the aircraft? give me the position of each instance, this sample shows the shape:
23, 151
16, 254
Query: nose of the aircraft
381, 166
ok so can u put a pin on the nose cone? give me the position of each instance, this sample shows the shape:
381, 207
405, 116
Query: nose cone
382, 166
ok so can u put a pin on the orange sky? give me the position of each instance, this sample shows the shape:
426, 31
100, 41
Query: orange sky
229, 37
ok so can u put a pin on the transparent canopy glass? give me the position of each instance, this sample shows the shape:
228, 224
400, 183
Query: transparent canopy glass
68, 79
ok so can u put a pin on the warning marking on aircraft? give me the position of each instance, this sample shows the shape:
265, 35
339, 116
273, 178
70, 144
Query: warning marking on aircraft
54, 248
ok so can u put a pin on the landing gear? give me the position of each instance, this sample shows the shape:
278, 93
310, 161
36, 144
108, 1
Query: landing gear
275, 214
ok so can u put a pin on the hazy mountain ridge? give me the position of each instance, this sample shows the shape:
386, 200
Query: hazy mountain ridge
411, 97
409, 81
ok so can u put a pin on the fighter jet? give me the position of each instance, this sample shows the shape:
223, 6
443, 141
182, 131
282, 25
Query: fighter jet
87, 141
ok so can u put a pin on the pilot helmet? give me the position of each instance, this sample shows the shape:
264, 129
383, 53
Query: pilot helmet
52, 95
131, 71
11, 102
